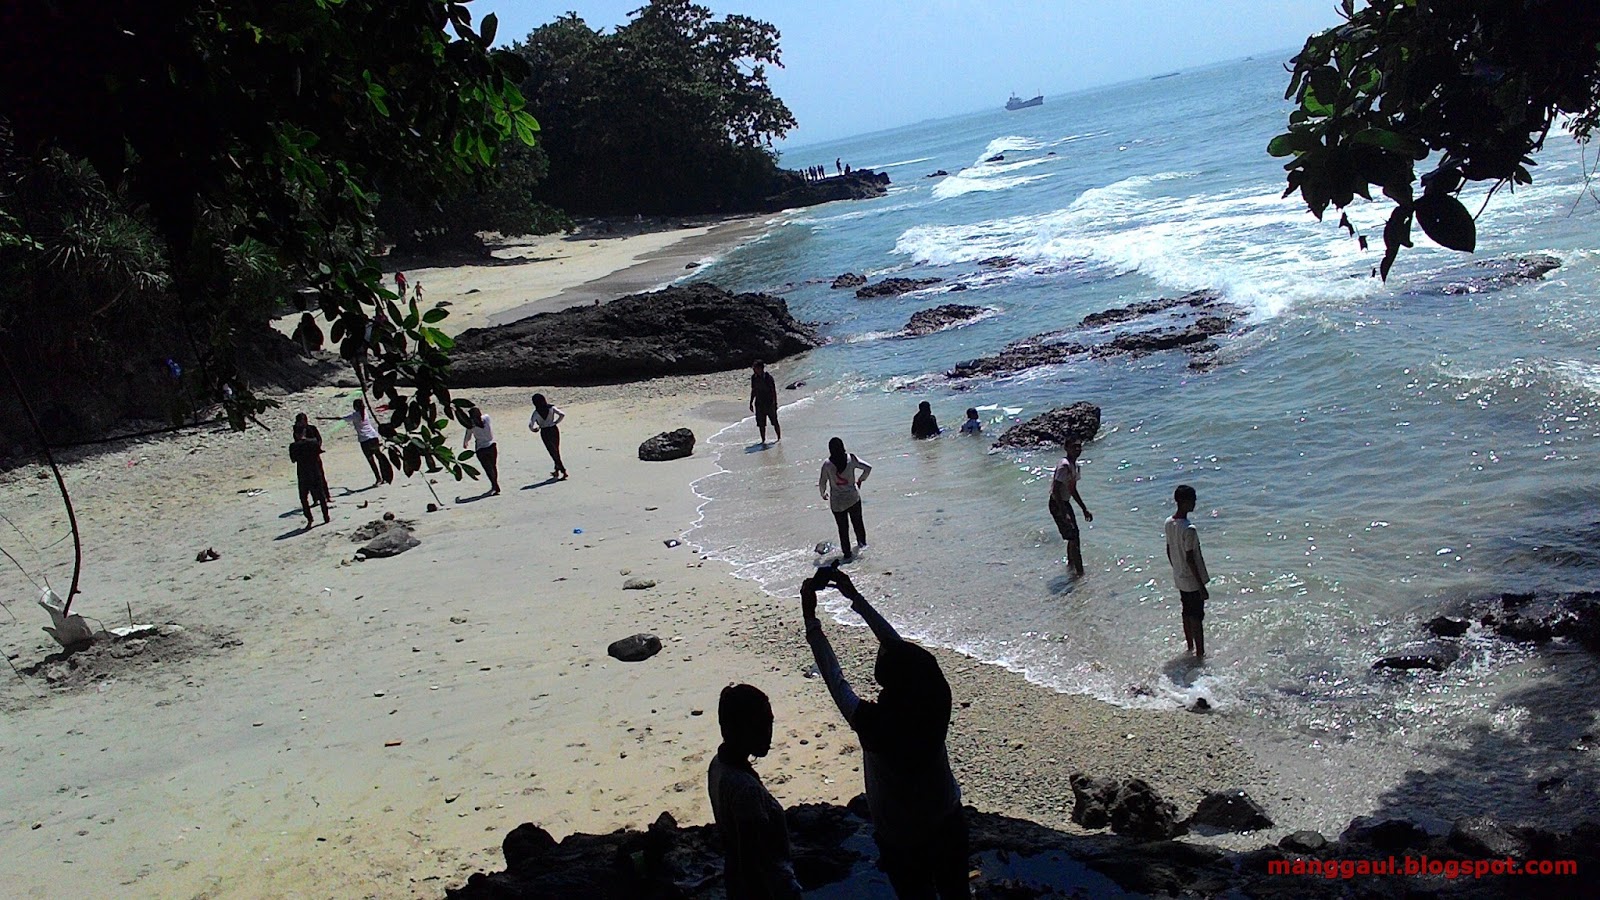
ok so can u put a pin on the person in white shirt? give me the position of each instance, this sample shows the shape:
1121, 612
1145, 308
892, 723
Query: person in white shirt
546, 417
755, 837
1063, 490
840, 485
481, 433
1188, 568
371, 444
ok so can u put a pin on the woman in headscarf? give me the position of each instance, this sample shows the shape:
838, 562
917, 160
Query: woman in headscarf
840, 485
917, 819
544, 421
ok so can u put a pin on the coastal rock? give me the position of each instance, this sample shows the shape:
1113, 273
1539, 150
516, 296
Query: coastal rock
1522, 628
1304, 842
998, 262
636, 648
1081, 420
684, 330
1388, 835
1190, 322
998, 157
1484, 838
393, 542
1433, 655
893, 287
936, 174
860, 184
848, 280
1092, 798
1138, 811
927, 321
1445, 626
958, 286
1230, 810
1486, 275
668, 445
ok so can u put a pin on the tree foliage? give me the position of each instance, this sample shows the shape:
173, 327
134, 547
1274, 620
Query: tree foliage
1480, 83
671, 113
249, 137
503, 204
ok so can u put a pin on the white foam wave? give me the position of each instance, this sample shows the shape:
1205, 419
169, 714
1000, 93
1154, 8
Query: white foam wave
903, 162
964, 183
1008, 144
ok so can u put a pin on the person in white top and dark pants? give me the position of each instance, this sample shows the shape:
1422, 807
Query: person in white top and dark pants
480, 431
546, 417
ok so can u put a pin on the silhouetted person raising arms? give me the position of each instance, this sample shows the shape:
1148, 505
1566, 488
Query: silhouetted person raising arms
755, 839
917, 819
1188, 569
1063, 490
840, 485
764, 400
923, 424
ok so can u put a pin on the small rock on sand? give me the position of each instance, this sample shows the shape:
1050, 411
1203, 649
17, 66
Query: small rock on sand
638, 584
636, 648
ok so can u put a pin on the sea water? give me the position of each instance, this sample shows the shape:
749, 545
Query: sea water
1367, 455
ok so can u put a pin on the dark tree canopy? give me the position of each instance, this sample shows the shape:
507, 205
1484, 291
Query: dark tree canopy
671, 113
249, 136
1479, 83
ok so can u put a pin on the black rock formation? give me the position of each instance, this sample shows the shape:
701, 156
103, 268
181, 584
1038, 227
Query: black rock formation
1231, 810
668, 445
927, 321
860, 184
1081, 420
686, 330
1487, 275
848, 280
893, 287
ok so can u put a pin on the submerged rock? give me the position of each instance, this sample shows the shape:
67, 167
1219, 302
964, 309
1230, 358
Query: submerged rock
668, 445
685, 330
893, 287
927, 321
848, 280
1445, 626
1435, 655
1487, 275
1081, 420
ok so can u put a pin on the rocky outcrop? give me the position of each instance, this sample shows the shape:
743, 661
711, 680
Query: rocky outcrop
927, 321
832, 848
685, 330
1435, 655
635, 648
848, 280
1190, 322
1520, 617
668, 445
1487, 275
1081, 420
860, 184
938, 173
894, 287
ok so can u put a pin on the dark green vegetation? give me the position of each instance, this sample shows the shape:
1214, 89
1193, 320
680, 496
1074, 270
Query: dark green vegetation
1480, 83
669, 114
169, 170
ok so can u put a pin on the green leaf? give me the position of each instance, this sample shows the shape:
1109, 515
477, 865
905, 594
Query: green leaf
437, 314
487, 27
1447, 222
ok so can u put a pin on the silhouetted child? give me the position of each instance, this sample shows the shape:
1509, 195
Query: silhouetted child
917, 819
1188, 569
755, 839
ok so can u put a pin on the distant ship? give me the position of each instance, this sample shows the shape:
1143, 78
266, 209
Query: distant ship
1016, 103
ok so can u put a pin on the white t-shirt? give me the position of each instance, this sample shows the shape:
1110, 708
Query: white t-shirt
553, 419
365, 430
482, 435
842, 490
1182, 538
1067, 473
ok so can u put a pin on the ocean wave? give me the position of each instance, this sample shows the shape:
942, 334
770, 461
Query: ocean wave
903, 162
1008, 144
964, 183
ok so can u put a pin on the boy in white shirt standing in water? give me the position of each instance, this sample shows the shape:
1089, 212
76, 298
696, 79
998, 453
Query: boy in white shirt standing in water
1063, 490
1188, 569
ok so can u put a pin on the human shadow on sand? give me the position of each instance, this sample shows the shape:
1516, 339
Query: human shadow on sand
539, 484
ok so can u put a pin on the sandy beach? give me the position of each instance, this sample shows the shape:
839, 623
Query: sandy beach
325, 727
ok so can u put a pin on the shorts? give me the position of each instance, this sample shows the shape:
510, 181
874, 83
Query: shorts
763, 414
1194, 604
1066, 522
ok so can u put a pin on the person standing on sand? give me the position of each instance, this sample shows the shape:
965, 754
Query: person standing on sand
764, 400
367, 434
917, 818
306, 453
1188, 569
923, 424
1063, 490
755, 838
544, 421
481, 432
840, 485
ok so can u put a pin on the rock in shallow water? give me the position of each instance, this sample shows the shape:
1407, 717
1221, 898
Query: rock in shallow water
927, 321
1081, 421
892, 287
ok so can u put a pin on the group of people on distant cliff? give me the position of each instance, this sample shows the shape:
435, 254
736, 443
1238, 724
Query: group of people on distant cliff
818, 173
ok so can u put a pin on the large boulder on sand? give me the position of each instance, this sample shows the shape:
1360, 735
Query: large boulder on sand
636, 648
668, 445
393, 542
1081, 420
685, 330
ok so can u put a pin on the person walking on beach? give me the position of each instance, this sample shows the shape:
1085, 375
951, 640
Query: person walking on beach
371, 443
755, 838
923, 424
1063, 490
543, 422
306, 453
917, 819
1188, 569
764, 400
972, 425
481, 432
400, 284
840, 485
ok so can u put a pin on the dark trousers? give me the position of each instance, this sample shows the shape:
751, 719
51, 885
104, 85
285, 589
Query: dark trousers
381, 470
313, 490
489, 458
845, 518
551, 435
936, 868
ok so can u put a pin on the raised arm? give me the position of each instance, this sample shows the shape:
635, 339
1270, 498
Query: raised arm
844, 696
874, 619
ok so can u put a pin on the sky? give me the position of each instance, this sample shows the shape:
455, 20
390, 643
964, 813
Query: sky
856, 67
